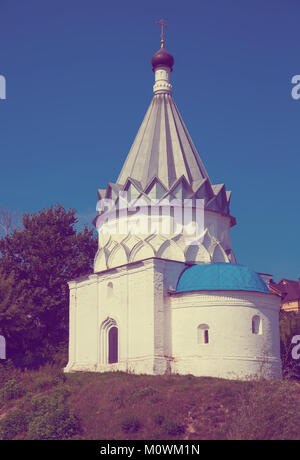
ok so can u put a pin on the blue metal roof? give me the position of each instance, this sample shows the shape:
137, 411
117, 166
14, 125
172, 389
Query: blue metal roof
220, 277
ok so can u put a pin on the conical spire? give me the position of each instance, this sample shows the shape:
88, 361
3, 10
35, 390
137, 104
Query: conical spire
163, 148
162, 168
163, 159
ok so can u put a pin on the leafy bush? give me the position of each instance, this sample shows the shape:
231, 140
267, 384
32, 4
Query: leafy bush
59, 423
13, 424
10, 390
46, 417
51, 418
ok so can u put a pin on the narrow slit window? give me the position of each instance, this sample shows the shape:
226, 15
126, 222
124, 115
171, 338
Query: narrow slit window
256, 325
203, 334
110, 289
206, 336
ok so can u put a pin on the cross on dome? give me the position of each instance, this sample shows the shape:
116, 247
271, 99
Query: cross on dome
162, 57
162, 23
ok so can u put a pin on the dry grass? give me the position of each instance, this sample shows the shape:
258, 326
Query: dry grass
124, 406
269, 411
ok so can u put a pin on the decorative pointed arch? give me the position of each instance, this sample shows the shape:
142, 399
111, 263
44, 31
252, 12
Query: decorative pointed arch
197, 253
170, 250
207, 240
109, 341
100, 261
117, 257
141, 251
130, 242
155, 189
104, 239
156, 241
219, 255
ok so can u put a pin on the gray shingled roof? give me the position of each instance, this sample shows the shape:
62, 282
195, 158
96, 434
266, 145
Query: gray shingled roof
163, 161
163, 148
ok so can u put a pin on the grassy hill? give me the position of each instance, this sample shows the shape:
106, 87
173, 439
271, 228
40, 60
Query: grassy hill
47, 404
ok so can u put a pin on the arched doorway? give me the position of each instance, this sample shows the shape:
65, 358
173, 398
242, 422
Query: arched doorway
109, 342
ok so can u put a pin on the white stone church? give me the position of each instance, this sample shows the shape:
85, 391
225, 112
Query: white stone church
159, 302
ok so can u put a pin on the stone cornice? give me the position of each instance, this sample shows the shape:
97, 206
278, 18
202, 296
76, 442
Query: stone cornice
204, 299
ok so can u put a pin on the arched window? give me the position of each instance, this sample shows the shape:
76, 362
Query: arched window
109, 342
256, 325
110, 289
203, 334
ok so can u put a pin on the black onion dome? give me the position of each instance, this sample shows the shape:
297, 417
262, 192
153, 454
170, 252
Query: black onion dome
162, 57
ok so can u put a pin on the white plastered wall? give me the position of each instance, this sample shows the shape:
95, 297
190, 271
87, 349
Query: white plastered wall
158, 330
233, 350
134, 298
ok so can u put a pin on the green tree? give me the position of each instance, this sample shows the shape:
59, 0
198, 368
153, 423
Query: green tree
35, 264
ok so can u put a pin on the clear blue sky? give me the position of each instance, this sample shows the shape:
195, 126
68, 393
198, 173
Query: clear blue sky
79, 82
